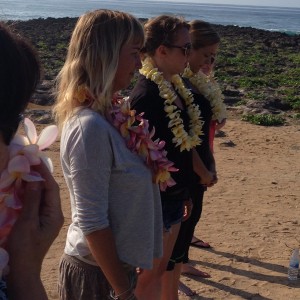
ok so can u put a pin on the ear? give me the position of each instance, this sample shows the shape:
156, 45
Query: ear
162, 50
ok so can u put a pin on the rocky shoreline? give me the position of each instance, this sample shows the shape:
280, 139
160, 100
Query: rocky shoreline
258, 70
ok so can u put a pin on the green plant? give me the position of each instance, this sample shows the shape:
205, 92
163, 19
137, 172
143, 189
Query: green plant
264, 119
296, 116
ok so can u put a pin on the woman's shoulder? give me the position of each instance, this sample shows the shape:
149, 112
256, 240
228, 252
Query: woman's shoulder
144, 93
143, 87
88, 122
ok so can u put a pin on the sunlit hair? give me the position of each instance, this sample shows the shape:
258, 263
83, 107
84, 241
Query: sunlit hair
19, 76
162, 30
92, 60
203, 34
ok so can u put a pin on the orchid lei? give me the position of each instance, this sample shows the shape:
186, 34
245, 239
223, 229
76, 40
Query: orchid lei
186, 140
210, 89
135, 130
24, 152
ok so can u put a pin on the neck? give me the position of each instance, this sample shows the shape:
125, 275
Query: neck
194, 70
162, 68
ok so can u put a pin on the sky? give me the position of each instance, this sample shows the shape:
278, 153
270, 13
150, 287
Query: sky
281, 3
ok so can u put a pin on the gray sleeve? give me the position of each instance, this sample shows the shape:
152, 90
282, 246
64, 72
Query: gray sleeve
90, 159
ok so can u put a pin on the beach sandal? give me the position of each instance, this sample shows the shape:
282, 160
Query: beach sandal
185, 290
200, 244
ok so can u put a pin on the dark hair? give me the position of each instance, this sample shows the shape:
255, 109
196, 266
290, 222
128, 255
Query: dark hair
203, 34
19, 76
162, 30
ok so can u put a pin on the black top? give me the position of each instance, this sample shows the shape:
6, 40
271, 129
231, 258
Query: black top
206, 116
145, 98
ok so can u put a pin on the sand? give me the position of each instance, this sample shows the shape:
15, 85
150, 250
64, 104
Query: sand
251, 217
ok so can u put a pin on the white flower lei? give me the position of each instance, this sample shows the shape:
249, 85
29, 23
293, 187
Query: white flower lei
185, 140
210, 89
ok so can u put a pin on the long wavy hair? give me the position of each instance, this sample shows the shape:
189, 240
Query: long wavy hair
92, 60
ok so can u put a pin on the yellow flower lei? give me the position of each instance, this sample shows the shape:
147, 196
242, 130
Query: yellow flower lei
185, 140
210, 89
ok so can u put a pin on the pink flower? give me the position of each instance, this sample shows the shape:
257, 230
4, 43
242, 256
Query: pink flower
32, 145
135, 131
24, 152
18, 169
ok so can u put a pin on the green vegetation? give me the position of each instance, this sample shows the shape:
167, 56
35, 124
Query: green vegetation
262, 66
264, 119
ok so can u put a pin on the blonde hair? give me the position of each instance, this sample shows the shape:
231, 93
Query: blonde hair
92, 60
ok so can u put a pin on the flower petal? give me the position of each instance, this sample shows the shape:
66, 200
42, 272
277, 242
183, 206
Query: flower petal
32, 177
47, 161
30, 131
47, 137
19, 164
32, 153
20, 140
6, 180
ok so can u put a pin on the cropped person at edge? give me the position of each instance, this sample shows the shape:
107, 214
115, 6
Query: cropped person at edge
41, 217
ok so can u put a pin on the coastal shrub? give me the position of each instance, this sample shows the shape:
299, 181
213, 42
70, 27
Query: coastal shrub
264, 119
296, 116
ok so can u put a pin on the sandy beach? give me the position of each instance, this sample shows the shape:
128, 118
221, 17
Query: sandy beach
251, 217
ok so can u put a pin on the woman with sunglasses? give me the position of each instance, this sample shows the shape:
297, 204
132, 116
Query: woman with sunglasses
169, 107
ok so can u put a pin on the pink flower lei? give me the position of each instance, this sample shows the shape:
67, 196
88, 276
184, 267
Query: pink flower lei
24, 152
135, 130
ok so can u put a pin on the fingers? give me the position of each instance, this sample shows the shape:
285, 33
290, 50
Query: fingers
50, 185
50, 182
31, 200
51, 203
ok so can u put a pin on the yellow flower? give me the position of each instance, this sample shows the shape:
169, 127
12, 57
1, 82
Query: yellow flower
184, 140
210, 89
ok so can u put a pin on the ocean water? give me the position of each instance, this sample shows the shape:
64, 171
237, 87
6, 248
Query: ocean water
281, 19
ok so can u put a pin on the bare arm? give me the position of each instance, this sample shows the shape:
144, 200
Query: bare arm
103, 248
199, 168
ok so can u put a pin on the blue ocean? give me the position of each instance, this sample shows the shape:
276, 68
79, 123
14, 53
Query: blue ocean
269, 18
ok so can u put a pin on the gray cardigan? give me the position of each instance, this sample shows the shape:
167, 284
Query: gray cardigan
109, 187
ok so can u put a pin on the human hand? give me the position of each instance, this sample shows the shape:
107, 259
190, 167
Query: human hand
39, 223
207, 179
215, 179
188, 206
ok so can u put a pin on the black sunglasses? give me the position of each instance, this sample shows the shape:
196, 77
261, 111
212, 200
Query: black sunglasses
186, 49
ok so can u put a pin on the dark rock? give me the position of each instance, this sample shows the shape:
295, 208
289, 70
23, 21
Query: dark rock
39, 116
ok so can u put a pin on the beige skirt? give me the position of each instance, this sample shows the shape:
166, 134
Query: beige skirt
81, 281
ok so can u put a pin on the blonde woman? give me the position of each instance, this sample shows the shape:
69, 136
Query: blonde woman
116, 213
